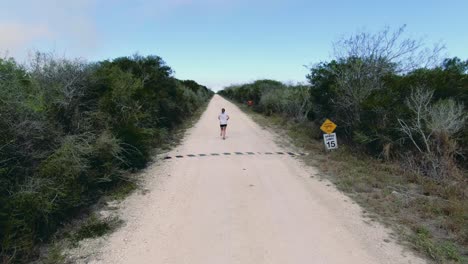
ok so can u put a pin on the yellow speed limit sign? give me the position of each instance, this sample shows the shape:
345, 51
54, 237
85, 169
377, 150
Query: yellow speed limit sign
328, 126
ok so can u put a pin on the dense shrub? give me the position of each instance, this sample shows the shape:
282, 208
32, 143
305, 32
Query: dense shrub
381, 113
380, 121
388, 96
69, 130
273, 97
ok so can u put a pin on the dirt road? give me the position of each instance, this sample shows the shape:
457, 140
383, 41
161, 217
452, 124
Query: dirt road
243, 208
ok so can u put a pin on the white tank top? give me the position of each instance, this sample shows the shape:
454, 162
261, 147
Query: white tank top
223, 118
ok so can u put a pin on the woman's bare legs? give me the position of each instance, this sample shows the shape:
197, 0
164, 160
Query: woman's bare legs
223, 132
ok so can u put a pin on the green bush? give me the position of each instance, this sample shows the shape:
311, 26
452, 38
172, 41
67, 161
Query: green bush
370, 118
273, 97
69, 132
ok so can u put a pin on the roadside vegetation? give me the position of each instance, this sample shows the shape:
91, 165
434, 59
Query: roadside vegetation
401, 116
70, 131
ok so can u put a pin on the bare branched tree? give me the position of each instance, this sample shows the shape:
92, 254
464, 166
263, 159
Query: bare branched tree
389, 50
70, 74
62, 83
431, 129
367, 58
297, 103
418, 103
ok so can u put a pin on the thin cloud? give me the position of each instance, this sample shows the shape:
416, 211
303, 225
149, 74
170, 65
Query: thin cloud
71, 27
16, 36
67, 26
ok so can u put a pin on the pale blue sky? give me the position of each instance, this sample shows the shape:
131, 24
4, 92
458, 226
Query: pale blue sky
219, 42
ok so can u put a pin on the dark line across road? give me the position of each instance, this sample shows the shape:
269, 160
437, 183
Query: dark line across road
292, 154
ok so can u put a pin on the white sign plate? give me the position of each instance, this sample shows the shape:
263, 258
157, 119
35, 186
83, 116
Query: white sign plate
330, 141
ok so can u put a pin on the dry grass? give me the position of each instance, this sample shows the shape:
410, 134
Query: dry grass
429, 216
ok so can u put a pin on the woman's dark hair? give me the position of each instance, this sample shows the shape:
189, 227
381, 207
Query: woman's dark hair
223, 110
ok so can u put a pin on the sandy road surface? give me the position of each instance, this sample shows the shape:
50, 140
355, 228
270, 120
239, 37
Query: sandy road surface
242, 208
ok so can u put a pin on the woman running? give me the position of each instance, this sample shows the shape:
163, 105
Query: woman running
223, 118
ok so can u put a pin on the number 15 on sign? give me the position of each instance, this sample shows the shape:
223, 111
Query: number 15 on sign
330, 141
